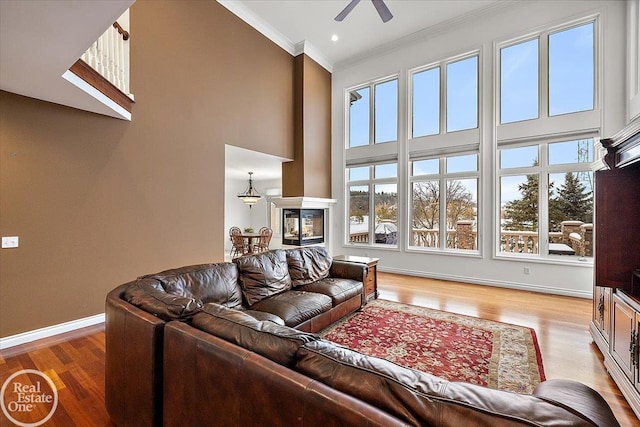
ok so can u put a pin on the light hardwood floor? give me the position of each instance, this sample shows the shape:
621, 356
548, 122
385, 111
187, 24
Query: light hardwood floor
561, 325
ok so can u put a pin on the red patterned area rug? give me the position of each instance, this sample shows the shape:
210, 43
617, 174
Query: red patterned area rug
448, 345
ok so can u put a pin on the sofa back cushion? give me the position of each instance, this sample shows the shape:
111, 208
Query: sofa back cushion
216, 283
273, 341
423, 399
308, 265
263, 275
148, 295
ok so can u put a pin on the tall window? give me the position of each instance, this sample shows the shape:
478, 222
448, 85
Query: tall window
373, 220
444, 203
459, 91
373, 119
546, 199
545, 186
568, 72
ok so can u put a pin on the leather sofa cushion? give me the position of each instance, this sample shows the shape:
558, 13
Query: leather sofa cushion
339, 290
295, 307
275, 342
263, 275
309, 264
216, 283
264, 316
423, 399
148, 295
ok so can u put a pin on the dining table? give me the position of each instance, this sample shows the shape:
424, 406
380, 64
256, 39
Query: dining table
249, 240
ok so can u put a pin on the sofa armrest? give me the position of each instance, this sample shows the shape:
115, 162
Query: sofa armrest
133, 365
348, 270
579, 399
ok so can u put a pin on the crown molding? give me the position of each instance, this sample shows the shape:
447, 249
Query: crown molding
313, 53
426, 33
244, 13
294, 49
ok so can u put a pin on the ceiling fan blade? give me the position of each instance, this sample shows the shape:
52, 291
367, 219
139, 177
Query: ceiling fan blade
346, 10
383, 10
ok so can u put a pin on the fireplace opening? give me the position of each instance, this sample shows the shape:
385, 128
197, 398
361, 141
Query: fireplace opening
302, 227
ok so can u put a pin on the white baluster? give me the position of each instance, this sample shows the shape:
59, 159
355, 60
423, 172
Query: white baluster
121, 43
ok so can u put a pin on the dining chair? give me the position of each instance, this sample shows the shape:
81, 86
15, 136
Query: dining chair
264, 240
238, 245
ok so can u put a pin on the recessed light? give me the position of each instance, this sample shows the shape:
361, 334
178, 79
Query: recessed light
334, 38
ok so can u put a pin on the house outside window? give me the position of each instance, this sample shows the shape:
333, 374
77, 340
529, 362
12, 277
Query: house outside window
372, 208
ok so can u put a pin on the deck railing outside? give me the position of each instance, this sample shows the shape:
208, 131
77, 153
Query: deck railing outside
574, 234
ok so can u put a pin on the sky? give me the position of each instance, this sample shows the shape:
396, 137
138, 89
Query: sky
571, 89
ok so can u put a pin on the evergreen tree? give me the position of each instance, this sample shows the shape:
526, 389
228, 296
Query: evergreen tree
523, 212
574, 202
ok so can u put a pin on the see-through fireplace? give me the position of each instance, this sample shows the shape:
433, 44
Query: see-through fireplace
302, 227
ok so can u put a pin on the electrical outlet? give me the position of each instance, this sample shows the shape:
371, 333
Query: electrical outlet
10, 242
526, 270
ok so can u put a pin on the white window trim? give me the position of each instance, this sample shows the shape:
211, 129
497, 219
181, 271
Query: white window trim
543, 170
370, 184
551, 124
442, 65
372, 125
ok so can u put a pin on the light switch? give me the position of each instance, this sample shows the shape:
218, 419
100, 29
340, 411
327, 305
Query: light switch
10, 242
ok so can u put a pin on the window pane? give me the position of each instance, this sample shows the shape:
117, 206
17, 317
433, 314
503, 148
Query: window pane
467, 163
462, 214
426, 167
357, 174
579, 151
571, 214
462, 94
386, 111
386, 206
389, 170
425, 221
359, 118
519, 157
426, 103
519, 214
519, 82
571, 70
359, 214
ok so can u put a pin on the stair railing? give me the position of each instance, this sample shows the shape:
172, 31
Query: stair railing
109, 56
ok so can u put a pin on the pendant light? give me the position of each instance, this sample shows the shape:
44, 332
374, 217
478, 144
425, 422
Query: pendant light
250, 196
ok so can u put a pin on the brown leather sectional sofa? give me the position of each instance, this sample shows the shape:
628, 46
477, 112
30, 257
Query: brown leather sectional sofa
223, 345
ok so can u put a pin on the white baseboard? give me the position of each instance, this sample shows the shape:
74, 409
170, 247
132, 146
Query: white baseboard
497, 283
49, 331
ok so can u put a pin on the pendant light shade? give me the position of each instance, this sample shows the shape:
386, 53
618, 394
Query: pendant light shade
250, 196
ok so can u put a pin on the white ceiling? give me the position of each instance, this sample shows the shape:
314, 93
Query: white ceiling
239, 162
361, 33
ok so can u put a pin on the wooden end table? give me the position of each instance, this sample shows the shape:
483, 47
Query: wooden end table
371, 280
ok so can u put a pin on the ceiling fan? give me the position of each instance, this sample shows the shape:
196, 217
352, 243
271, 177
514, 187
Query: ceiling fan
383, 10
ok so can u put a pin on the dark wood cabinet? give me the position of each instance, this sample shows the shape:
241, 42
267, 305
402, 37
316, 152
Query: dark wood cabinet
615, 326
617, 243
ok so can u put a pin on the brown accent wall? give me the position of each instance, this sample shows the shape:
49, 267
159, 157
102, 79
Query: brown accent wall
97, 201
310, 173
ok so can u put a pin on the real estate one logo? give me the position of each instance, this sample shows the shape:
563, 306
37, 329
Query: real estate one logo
28, 398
